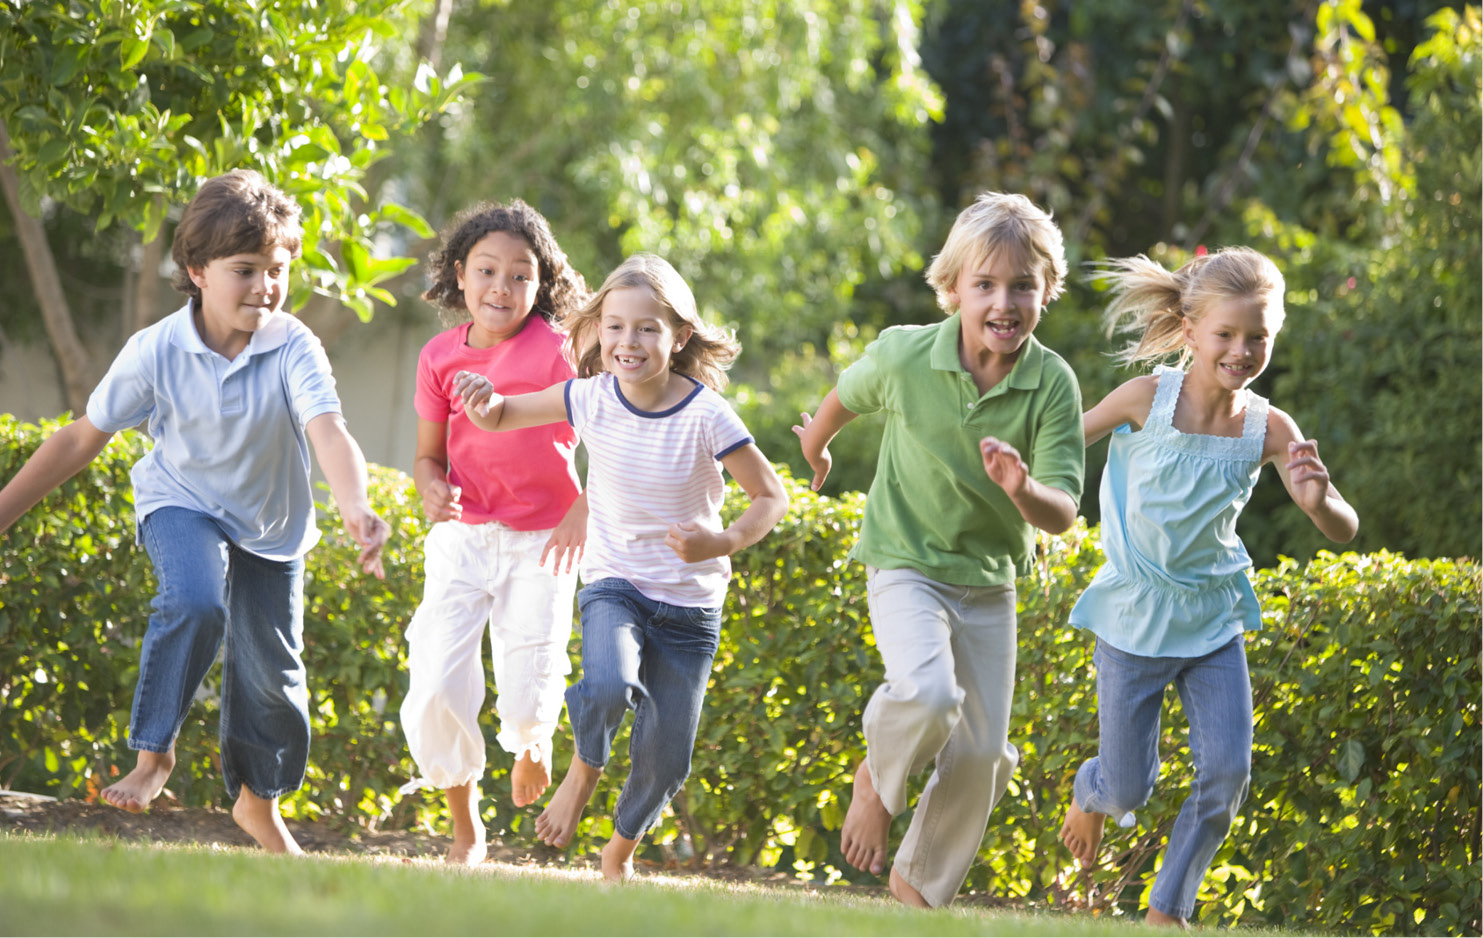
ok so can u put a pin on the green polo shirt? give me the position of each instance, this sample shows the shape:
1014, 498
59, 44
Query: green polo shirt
932, 507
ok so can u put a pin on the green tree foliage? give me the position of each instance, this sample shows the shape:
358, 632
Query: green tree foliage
1379, 360
1363, 815
773, 152
115, 108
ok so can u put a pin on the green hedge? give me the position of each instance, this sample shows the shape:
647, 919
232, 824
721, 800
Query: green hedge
1364, 806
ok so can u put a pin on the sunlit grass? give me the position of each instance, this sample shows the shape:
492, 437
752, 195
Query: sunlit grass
66, 886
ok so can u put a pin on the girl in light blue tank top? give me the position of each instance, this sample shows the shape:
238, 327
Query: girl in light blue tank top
1173, 600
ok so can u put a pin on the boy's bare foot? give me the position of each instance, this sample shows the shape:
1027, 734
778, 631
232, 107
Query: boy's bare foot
259, 817
135, 791
529, 780
1162, 920
558, 822
867, 825
617, 859
905, 892
469, 848
1082, 833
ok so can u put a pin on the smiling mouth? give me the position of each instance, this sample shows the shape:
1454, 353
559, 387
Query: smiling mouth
1003, 328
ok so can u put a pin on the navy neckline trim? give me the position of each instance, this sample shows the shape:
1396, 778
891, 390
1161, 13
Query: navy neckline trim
656, 414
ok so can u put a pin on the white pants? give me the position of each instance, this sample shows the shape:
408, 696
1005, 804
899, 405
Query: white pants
949, 653
478, 574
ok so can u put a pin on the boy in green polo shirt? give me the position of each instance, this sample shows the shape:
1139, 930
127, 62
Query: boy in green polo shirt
983, 442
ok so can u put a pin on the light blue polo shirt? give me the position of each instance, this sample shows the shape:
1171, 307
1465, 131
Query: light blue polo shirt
228, 435
932, 508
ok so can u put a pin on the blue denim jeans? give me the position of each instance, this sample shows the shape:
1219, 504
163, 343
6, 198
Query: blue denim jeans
214, 595
1215, 691
651, 658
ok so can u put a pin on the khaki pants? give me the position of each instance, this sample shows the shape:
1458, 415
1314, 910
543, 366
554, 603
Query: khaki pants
949, 654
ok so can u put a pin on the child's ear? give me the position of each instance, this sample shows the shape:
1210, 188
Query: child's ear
198, 276
682, 337
458, 273
1188, 328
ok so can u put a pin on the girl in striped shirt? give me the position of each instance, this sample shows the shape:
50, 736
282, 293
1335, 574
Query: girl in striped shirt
658, 434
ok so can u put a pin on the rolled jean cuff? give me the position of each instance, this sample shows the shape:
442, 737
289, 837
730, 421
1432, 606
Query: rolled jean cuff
1082, 790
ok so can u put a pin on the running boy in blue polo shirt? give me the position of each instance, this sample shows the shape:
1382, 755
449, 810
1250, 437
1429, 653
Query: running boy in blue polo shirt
234, 390
983, 442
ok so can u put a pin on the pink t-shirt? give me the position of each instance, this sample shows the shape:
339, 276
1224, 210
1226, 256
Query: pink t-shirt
522, 478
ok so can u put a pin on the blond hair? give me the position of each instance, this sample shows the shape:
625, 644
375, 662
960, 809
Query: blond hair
1153, 303
705, 357
1000, 221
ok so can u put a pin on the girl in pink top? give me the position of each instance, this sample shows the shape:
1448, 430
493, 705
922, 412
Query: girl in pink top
499, 513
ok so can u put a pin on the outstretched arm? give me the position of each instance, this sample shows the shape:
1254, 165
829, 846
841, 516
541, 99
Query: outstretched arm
1043, 506
344, 468
815, 433
491, 411
1129, 402
769, 502
60, 457
1307, 479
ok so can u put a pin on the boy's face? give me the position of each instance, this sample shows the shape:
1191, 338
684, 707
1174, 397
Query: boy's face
1000, 299
239, 294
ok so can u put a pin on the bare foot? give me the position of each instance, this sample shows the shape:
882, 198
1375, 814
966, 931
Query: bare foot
1162, 920
1082, 833
469, 848
558, 822
259, 817
617, 859
135, 791
905, 892
529, 780
867, 825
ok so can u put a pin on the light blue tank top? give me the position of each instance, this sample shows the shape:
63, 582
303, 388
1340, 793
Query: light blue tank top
1175, 582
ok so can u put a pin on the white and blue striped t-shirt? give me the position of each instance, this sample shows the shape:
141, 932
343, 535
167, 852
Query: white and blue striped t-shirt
646, 471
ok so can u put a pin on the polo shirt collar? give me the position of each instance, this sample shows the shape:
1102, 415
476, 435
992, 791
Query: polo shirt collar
180, 329
1025, 375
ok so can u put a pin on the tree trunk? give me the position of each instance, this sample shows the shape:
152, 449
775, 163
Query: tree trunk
72, 356
147, 310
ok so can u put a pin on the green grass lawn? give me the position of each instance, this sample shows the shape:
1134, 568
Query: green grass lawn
60, 886
67, 886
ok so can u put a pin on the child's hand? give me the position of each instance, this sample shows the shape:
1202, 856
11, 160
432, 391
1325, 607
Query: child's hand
368, 530
1004, 466
476, 390
565, 544
1307, 474
440, 502
693, 543
820, 461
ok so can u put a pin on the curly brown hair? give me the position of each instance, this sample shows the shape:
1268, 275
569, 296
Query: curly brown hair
561, 289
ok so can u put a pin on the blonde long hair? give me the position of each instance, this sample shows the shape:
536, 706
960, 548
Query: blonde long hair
1152, 303
706, 356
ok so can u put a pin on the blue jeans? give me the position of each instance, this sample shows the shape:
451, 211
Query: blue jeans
212, 593
1215, 690
651, 658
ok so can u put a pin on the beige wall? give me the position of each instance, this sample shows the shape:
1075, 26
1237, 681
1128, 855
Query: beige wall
375, 371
